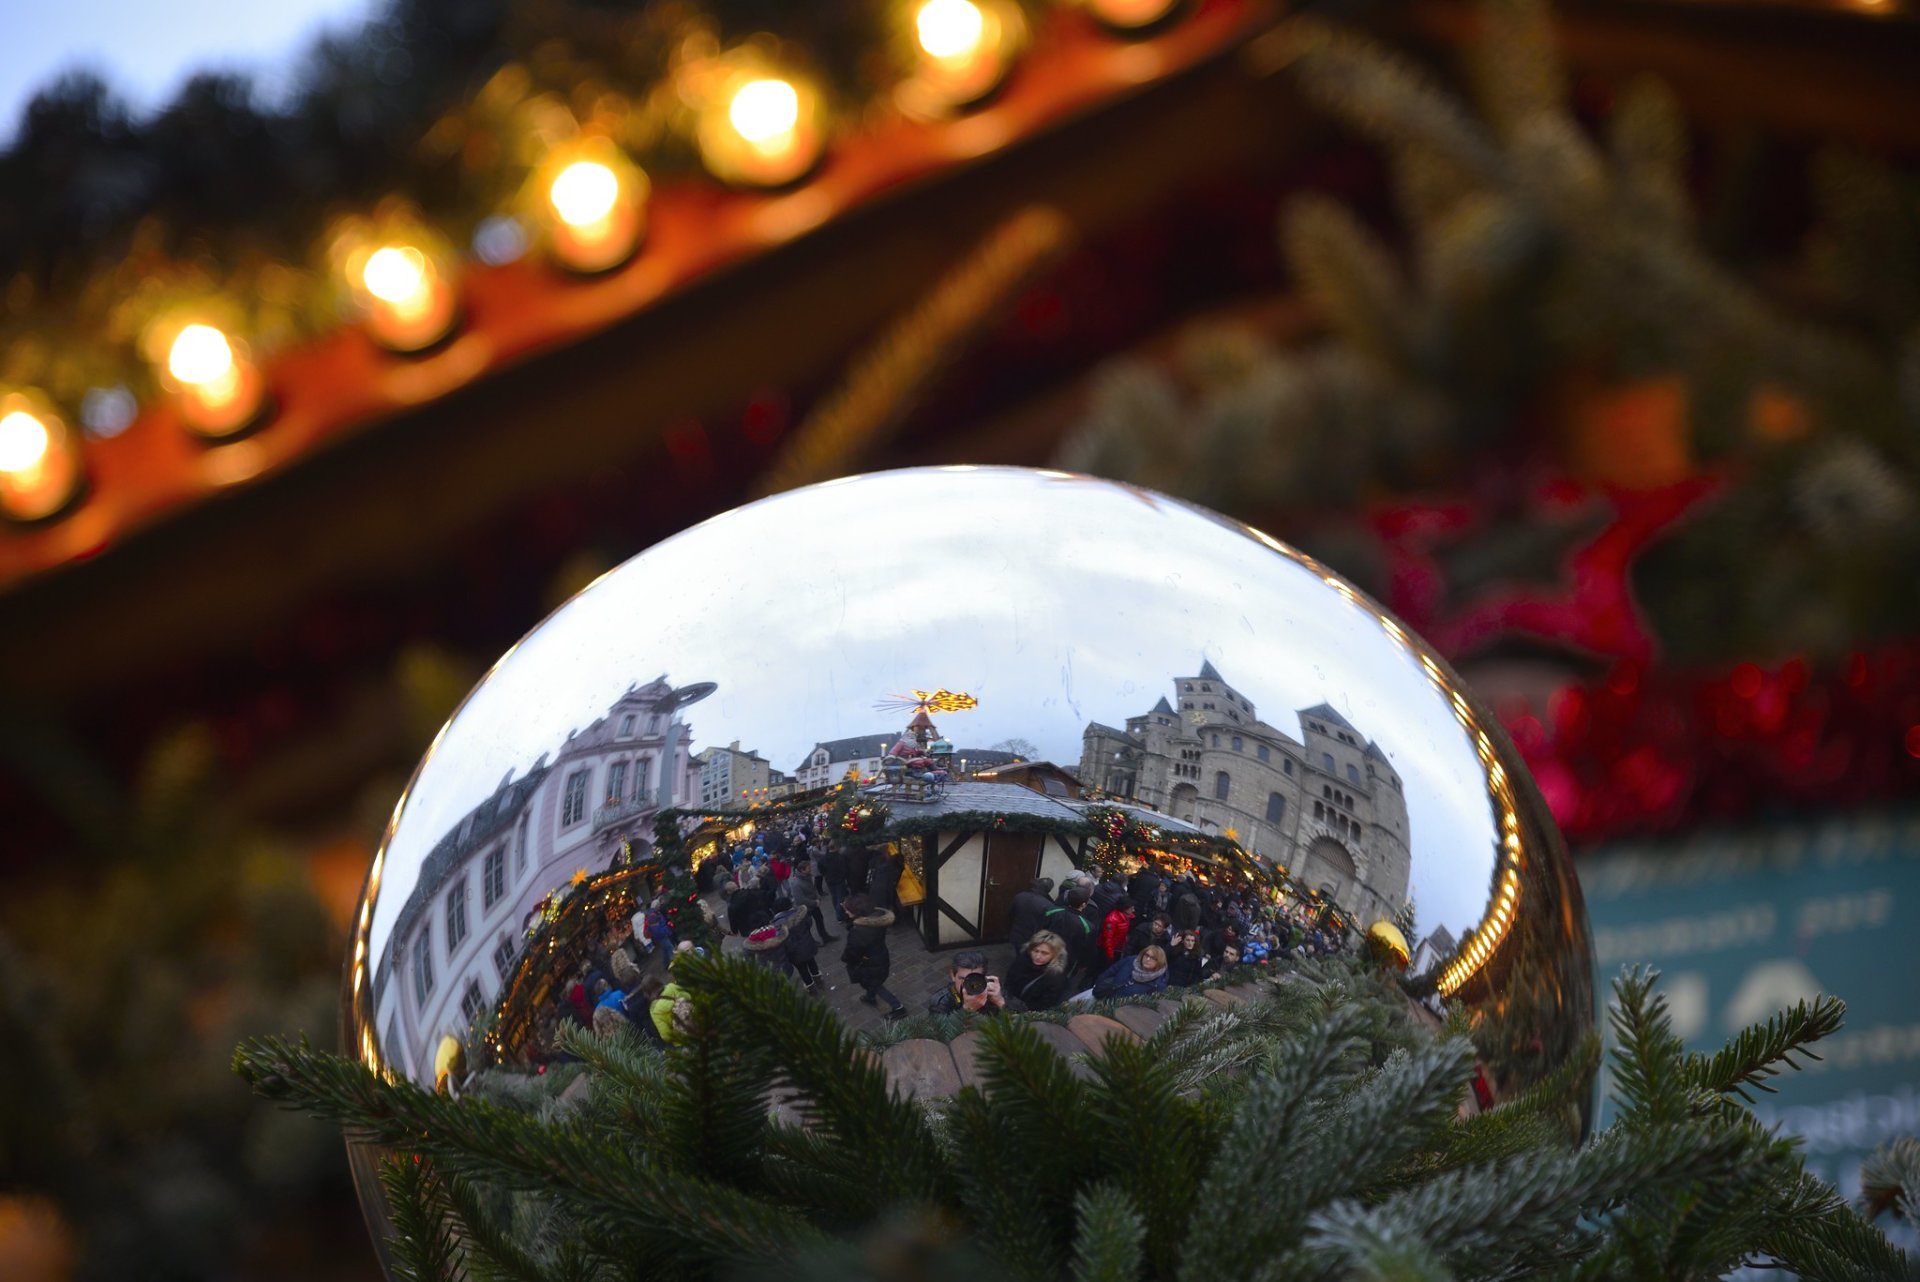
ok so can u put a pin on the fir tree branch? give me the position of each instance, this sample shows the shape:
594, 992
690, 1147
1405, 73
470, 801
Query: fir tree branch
1838, 1246
1387, 98
1890, 1180
1649, 1062
1109, 1236
422, 1243
683, 1219
1018, 1215
1222, 1241
1755, 1054
1353, 278
842, 1088
1517, 76
1493, 1220
1166, 1144
491, 1253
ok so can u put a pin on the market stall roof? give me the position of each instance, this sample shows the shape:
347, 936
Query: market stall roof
1166, 823
1008, 799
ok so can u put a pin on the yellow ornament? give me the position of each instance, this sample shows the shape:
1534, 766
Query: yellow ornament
1386, 943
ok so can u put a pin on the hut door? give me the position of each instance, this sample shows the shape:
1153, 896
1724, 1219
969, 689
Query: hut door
1013, 860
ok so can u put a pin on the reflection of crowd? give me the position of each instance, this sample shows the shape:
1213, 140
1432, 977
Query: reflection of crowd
1095, 937
1098, 938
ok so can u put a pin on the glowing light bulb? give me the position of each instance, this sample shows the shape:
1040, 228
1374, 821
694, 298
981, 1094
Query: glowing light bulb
406, 299
1130, 14
584, 193
39, 462
219, 390
764, 112
24, 442
596, 205
202, 355
761, 127
396, 274
950, 28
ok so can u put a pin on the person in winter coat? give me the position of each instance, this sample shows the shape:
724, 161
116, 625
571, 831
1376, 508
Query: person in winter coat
832, 866
1114, 931
805, 897
670, 1011
1141, 975
865, 954
1157, 929
1108, 894
1030, 908
1186, 959
768, 945
748, 908
1037, 980
883, 875
1144, 889
1071, 923
802, 954
1186, 907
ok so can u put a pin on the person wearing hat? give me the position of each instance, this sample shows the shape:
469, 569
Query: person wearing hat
867, 960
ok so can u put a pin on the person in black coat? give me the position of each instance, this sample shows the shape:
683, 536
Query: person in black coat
832, 867
1030, 909
1156, 929
883, 876
748, 909
1144, 889
1186, 959
1037, 979
1108, 894
1073, 923
802, 954
867, 959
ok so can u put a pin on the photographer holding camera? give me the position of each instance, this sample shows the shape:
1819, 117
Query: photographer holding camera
969, 987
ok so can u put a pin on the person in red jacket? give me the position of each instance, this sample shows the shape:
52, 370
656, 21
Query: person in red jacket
1113, 931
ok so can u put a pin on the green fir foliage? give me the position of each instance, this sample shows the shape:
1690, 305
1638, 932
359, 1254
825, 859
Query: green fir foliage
1537, 273
1306, 1132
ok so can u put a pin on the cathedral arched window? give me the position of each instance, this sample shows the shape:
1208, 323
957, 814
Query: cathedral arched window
1222, 784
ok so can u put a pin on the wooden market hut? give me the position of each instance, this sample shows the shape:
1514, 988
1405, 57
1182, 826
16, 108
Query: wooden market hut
1040, 776
977, 845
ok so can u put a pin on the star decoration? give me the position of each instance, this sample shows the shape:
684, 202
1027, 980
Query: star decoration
1565, 578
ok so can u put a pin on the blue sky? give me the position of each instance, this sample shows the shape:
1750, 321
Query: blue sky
1055, 600
147, 48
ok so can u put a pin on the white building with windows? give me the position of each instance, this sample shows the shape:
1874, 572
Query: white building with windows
734, 779
458, 935
1328, 805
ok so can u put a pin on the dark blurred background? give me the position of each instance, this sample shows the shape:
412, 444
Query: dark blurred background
1587, 339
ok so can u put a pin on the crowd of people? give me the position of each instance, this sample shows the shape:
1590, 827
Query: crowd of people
1103, 936
788, 891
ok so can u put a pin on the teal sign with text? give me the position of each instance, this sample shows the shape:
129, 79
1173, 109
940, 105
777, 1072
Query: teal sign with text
1743, 924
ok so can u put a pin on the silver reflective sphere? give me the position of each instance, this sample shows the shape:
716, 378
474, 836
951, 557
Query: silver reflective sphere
1013, 673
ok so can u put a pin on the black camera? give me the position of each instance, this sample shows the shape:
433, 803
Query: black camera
974, 985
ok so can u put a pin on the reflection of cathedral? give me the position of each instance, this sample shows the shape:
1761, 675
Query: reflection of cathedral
1327, 805
458, 934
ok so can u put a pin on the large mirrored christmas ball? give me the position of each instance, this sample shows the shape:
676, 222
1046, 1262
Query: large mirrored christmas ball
911, 697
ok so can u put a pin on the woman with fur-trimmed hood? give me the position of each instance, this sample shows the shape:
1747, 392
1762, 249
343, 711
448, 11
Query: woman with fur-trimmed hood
867, 959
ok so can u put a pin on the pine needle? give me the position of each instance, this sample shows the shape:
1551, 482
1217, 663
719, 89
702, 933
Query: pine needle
1758, 1053
1108, 1236
422, 1243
